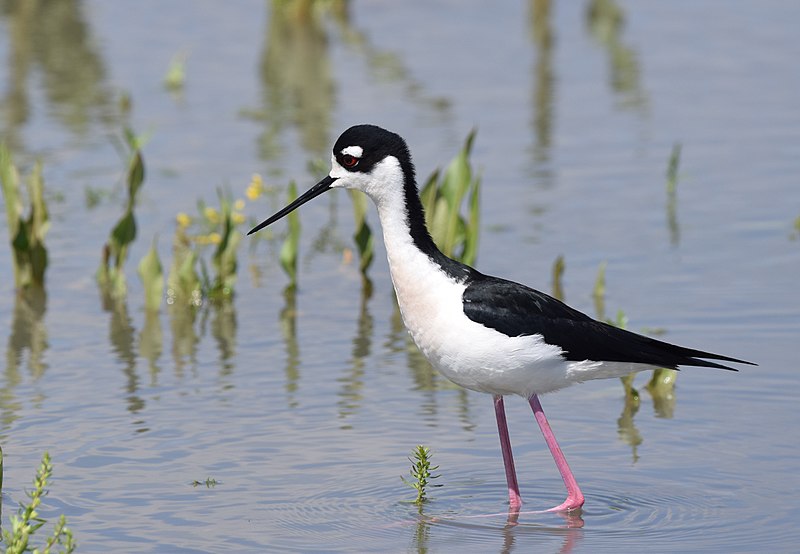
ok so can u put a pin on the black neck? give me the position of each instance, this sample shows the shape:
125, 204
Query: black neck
419, 231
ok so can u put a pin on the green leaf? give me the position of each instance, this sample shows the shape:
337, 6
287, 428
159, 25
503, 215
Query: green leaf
124, 231
473, 227
9, 180
363, 236
428, 196
135, 176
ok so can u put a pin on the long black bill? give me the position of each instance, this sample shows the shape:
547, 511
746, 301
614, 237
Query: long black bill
311, 193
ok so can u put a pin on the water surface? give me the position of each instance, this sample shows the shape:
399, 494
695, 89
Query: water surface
305, 406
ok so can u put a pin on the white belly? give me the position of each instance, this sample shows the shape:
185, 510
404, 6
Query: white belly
468, 353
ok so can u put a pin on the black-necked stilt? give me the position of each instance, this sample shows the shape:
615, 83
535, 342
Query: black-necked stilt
484, 333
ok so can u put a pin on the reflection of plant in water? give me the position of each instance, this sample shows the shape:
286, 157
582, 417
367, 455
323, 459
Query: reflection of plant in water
52, 40
661, 385
605, 19
28, 334
352, 384
542, 32
26, 234
296, 76
672, 186
288, 321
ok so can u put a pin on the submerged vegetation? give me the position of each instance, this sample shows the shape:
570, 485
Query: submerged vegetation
26, 233
291, 245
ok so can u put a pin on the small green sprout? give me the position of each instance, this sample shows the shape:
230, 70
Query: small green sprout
210, 482
176, 73
27, 521
558, 274
599, 290
421, 471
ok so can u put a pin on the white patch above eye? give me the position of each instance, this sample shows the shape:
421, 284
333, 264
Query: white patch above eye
337, 172
355, 151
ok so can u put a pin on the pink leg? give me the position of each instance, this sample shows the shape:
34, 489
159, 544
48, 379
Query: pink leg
514, 498
574, 496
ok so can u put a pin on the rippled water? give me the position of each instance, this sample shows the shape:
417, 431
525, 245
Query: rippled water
303, 407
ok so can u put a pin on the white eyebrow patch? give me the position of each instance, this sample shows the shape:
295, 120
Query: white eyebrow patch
355, 151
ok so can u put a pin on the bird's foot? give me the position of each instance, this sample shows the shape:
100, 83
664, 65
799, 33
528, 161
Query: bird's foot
573, 502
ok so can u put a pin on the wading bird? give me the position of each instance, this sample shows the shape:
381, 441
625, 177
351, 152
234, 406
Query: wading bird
484, 333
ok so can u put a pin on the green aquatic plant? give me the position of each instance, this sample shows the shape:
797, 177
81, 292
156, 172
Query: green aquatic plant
599, 290
27, 522
363, 236
111, 273
455, 235
662, 381
796, 232
26, 233
216, 226
194, 275
151, 273
421, 473
291, 244
183, 281
176, 72
631, 394
224, 258
558, 275
209, 482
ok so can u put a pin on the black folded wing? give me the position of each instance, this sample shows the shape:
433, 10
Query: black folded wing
517, 310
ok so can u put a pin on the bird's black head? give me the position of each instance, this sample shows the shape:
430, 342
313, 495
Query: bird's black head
367, 158
360, 147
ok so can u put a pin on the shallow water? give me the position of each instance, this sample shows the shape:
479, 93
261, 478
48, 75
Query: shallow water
304, 407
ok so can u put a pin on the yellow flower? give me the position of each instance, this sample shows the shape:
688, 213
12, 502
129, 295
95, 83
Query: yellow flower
237, 218
214, 238
183, 220
238, 205
255, 188
211, 214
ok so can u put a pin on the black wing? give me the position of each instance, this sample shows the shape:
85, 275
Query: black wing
517, 310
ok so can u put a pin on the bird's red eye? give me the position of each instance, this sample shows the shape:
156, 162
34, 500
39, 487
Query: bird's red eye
349, 161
